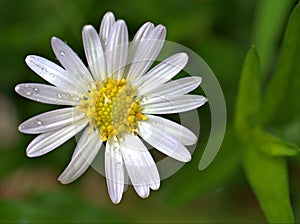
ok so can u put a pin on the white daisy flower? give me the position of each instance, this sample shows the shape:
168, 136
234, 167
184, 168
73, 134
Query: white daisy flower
112, 101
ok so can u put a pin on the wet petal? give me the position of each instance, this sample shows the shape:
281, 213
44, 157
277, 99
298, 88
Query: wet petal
52, 73
51, 121
179, 132
72, 63
163, 72
46, 142
139, 163
163, 141
114, 171
146, 52
117, 50
86, 150
105, 28
47, 94
172, 104
94, 52
175, 87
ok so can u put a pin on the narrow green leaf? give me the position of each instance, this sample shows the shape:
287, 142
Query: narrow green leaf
249, 94
274, 146
267, 27
268, 179
277, 88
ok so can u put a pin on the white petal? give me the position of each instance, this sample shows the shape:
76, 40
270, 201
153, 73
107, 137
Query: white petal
117, 49
143, 32
72, 63
105, 28
46, 142
176, 87
47, 94
163, 141
172, 104
139, 163
94, 52
114, 171
51, 121
181, 133
162, 73
146, 52
52, 73
142, 190
86, 150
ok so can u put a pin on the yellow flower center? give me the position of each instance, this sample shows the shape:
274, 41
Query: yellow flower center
112, 107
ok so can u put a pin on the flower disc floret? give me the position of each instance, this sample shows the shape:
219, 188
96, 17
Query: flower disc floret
113, 107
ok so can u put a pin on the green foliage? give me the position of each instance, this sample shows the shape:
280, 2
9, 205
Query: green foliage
267, 28
274, 146
249, 95
276, 90
261, 167
269, 180
265, 155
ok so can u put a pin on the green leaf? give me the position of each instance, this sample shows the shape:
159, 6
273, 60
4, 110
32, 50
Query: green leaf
267, 27
269, 181
249, 94
288, 58
274, 146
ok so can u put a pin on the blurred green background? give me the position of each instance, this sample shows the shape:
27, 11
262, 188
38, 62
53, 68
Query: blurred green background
221, 32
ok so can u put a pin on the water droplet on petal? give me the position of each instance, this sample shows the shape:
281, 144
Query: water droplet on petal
62, 53
39, 122
115, 149
44, 70
59, 96
28, 93
36, 90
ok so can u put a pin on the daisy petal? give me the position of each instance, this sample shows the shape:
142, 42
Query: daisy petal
105, 28
142, 191
146, 52
176, 87
139, 162
46, 142
114, 171
51, 72
86, 150
47, 94
163, 141
117, 49
181, 133
94, 53
51, 121
172, 104
163, 72
71, 62
143, 32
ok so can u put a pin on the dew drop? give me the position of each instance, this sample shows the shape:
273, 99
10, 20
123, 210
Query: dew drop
76, 99
36, 90
44, 70
59, 96
38, 122
28, 93
115, 149
62, 53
